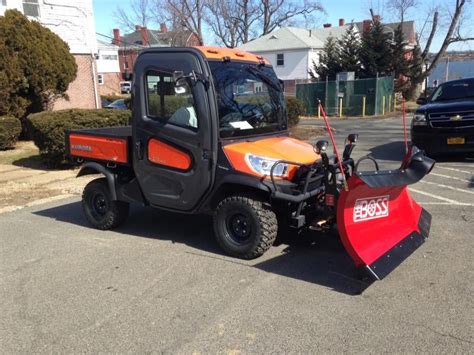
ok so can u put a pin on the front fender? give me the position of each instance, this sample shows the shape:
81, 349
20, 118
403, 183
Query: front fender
96, 168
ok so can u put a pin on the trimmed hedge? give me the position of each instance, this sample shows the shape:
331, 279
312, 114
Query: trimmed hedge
295, 108
47, 128
10, 129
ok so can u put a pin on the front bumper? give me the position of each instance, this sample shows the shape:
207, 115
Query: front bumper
435, 140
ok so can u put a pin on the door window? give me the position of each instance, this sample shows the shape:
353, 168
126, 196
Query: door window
170, 104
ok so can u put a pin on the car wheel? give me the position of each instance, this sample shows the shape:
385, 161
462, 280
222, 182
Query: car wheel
245, 227
100, 210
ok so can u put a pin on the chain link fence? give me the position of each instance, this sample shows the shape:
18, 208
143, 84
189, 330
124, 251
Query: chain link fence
361, 97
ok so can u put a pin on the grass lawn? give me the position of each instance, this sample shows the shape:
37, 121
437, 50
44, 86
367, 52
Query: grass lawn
25, 154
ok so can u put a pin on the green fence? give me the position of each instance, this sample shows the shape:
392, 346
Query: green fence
362, 97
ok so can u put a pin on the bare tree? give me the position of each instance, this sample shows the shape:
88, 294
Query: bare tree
232, 21
188, 14
277, 13
223, 19
453, 34
141, 14
400, 7
249, 15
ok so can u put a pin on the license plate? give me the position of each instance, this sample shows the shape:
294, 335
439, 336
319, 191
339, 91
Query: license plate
456, 140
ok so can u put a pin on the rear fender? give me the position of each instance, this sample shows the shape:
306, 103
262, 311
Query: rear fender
96, 168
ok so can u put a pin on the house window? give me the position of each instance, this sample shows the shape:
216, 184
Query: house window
125, 65
280, 59
4, 2
31, 8
100, 79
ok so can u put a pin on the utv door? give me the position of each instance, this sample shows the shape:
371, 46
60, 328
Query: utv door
173, 133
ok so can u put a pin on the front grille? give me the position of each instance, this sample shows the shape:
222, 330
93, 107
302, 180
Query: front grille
452, 119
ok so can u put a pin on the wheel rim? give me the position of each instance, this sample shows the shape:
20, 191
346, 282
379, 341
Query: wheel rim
100, 205
239, 226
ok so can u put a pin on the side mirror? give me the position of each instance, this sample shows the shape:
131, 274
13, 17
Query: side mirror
352, 138
321, 147
180, 90
180, 82
350, 142
421, 101
179, 78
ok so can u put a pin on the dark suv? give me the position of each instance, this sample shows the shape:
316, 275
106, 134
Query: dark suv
444, 123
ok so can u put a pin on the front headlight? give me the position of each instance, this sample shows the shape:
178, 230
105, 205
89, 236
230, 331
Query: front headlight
419, 119
263, 165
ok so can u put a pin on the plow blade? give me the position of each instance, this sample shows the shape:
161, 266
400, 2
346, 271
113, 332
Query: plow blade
379, 223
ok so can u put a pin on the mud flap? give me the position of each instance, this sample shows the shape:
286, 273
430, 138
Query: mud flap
379, 223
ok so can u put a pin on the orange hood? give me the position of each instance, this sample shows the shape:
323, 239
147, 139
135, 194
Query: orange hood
278, 148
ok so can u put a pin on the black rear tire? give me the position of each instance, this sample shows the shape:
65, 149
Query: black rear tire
100, 210
245, 227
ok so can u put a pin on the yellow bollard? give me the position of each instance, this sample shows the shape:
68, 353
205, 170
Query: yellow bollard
363, 106
383, 105
319, 110
390, 103
394, 103
340, 107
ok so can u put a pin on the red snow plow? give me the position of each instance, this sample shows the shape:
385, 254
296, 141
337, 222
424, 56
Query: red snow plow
378, 221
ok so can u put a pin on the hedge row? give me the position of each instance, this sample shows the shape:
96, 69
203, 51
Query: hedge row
47, 128
295, 108
10, 129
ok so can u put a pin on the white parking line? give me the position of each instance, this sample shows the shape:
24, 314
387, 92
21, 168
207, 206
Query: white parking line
450, 177
446, 204
441, 198
454, 169
448, 187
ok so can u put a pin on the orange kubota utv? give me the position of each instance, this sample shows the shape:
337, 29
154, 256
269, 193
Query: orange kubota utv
209, 134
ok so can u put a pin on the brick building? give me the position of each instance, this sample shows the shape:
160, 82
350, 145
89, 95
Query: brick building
130, 44
74, 23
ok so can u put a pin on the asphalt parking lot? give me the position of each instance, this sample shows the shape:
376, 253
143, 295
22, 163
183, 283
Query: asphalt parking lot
161, 284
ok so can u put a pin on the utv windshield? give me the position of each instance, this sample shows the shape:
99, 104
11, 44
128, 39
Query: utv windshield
250, 99
456, 90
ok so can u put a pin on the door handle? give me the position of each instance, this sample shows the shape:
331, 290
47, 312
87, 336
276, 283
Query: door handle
139, 149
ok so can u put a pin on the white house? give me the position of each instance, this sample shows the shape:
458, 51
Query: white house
73, 21
108, 68
292, 50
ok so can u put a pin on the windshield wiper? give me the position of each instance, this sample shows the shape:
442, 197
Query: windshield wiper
266, 79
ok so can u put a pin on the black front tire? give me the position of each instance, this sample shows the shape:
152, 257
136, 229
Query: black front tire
100, 210
245, 227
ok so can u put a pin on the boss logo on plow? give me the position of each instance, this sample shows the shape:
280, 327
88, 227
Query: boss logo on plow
370, 208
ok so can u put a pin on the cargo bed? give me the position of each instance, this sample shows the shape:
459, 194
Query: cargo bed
109, 144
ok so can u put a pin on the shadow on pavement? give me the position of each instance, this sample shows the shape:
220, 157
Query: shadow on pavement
322, 261
195, 231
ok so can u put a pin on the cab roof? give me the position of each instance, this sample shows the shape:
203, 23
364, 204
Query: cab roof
222, 53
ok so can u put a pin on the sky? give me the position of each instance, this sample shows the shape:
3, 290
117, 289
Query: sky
356, 10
